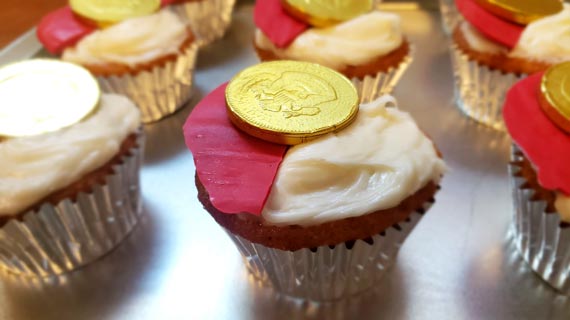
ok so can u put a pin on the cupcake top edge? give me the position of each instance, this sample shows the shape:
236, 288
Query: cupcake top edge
131, 42
350, 43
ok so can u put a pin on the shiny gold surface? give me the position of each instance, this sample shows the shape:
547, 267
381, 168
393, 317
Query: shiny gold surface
522, 11
290, 102
38, 96
323, 13
106, 12
555, 89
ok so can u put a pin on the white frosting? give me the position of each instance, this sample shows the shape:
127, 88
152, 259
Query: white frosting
547, 39
34, 167
131, 42
562, 205
479, 42
374, 164
354, 42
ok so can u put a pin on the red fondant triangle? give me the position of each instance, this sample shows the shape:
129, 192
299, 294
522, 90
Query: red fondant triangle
61, 29
493, 27
237, 169
546, 146
276, 24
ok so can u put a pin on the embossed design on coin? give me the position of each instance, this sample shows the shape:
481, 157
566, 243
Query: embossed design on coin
522, 11
555, 98
38, 96
326, 12
290, 102
113, 11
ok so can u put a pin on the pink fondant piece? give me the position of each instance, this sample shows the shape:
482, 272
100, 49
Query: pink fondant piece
276, 24
495, 28
236, 169
164, 3
60, 29
545, 145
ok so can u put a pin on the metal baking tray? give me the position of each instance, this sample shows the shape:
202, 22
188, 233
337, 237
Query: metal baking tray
459, 262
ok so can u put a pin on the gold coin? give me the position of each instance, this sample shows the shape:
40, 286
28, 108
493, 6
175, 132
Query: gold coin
522, 11
322, 13
106, 12
290, 102
555, 89
38, 96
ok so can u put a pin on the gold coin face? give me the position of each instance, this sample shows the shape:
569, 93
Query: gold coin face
555, 88
522, 11
290, 102
38, 96
323, 13
112, 11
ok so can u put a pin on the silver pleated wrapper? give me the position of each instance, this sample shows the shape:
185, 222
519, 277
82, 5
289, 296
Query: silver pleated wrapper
209, 19
326, 273
160, 91
450, 16
480, 91
57, 239
543, 244
373, 86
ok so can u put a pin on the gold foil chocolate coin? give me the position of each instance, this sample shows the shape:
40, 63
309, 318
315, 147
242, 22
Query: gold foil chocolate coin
290, 102
106, 12
522, 11
38, 96
555, 98
322, 13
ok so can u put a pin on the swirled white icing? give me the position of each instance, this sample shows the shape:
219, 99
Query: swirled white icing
374, 164
354, 42
34, 167
562, 205
479, 42
131, 42
547, 39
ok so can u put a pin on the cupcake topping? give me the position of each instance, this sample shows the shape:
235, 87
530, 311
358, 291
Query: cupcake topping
106, 12
63, 94
362, 39
321, 13
290, 102
555, 89
276, 23
34, 167
131, 42
521, 11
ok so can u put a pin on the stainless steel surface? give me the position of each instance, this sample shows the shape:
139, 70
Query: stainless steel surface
178, 264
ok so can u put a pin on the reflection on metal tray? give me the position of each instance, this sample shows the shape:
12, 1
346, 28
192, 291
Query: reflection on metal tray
178, 264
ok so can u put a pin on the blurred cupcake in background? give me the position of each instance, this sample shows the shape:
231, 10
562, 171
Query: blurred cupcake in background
284, 165
365, 45
69, 179
497, 46
537, 116
208, 19
145, 54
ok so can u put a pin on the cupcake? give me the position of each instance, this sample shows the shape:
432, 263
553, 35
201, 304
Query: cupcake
490, 53
537, 117
209, 19
149, 58
322, 219
368, 48
69, 180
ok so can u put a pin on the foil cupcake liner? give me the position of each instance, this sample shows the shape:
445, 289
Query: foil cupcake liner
208, 19
328, 272
543, 244
449, 15
480, 91
160, 91
57, 239
373, 86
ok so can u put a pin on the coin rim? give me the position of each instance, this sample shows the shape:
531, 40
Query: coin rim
322, 21
547, 100
106, 20
513, 16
